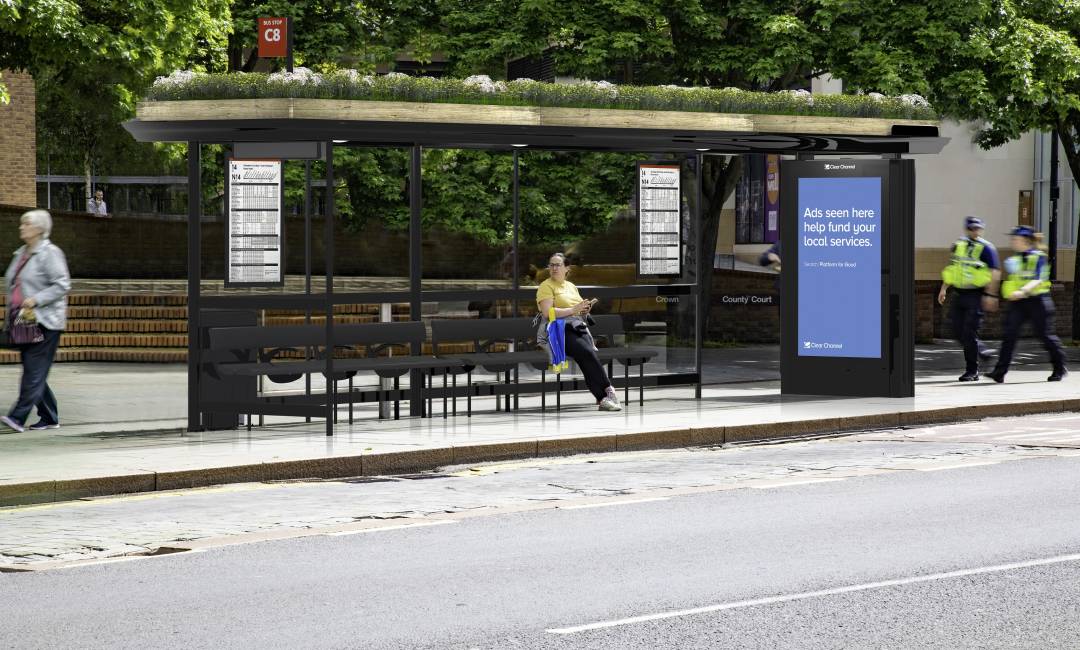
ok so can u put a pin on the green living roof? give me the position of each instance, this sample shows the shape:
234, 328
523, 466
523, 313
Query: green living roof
348, 84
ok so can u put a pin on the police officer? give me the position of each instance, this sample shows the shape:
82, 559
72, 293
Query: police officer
1027, 288
975, 273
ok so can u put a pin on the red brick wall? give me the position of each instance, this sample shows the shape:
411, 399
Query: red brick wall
18, 156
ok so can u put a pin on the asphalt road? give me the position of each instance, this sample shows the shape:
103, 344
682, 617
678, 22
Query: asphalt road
528, 579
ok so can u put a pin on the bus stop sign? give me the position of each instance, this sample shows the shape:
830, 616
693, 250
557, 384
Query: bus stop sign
273, 37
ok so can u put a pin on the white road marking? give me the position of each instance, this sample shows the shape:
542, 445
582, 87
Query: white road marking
611, 503
380, 529
997, 568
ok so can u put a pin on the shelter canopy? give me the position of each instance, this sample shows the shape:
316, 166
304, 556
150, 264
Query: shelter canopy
387, 123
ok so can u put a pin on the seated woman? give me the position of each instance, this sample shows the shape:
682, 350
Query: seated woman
559, 298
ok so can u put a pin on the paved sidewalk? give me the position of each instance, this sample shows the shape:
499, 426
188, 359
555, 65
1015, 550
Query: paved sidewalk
122, 426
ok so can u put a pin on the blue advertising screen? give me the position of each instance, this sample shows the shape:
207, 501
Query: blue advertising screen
839, 273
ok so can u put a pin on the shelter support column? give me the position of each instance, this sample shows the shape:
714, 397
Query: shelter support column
331, 385
416, 271
704, 274
194, 264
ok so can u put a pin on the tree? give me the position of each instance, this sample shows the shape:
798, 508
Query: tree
92, 59
748, 44
1010, 66
326, 34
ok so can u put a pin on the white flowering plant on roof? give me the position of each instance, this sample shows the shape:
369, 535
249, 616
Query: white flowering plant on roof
605, 87
917, 101
481, 82
301, 75
177, 79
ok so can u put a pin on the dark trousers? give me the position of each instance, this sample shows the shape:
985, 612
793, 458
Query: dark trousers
1040, 311
34, 390
578, 349
967, 314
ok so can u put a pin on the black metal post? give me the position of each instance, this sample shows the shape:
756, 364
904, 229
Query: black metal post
307, 266
289, 44
704, 274
416, 272
194, 281
328, 246
517, 232
1055, 194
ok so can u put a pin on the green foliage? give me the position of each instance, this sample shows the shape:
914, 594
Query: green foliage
92, 59
564, 196
1009, 65
326, 33
342, 85
750, 44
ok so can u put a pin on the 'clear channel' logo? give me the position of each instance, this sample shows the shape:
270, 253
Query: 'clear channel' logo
813, 345
831, 166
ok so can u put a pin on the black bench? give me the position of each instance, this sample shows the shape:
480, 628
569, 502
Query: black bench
483, 334
377, 338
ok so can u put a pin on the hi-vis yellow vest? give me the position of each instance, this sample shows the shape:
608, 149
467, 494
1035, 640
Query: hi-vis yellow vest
967, 270
1020, 270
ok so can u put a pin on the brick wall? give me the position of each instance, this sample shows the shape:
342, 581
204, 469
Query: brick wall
18, 141
123, 247
744, 308
1062, 294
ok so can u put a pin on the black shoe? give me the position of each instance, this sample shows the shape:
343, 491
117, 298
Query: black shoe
41, 426
969, 376
986, 353
1058, 375
999, 377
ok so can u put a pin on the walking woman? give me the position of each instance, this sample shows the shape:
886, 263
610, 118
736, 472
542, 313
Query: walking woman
1027, 288
558, 298
37, 283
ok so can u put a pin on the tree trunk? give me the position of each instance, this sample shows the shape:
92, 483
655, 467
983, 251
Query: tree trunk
1068, 132
719, 176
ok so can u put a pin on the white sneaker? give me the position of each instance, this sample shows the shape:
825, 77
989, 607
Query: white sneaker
610, 404
11, 424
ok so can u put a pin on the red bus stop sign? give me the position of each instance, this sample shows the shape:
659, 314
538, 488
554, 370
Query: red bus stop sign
273, 38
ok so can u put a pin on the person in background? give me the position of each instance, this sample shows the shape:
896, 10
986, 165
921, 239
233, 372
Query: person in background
37, 282
1027, 288
771, 259
975, 273
96, 206
557, 298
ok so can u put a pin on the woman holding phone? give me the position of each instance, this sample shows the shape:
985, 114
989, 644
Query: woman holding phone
557, 297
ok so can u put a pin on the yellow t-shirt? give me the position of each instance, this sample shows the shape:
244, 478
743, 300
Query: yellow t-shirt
564, 294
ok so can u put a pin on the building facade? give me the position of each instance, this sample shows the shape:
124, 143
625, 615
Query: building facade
18, 142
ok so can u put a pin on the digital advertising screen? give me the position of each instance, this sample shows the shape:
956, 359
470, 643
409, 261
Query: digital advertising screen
838, 225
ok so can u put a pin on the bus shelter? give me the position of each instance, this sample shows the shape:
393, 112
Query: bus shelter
312, 129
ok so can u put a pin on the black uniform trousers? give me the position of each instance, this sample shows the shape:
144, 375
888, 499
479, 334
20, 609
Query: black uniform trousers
1040, 311
967, 314
578, 349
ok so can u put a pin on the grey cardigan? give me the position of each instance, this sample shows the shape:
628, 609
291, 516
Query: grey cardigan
45, 278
